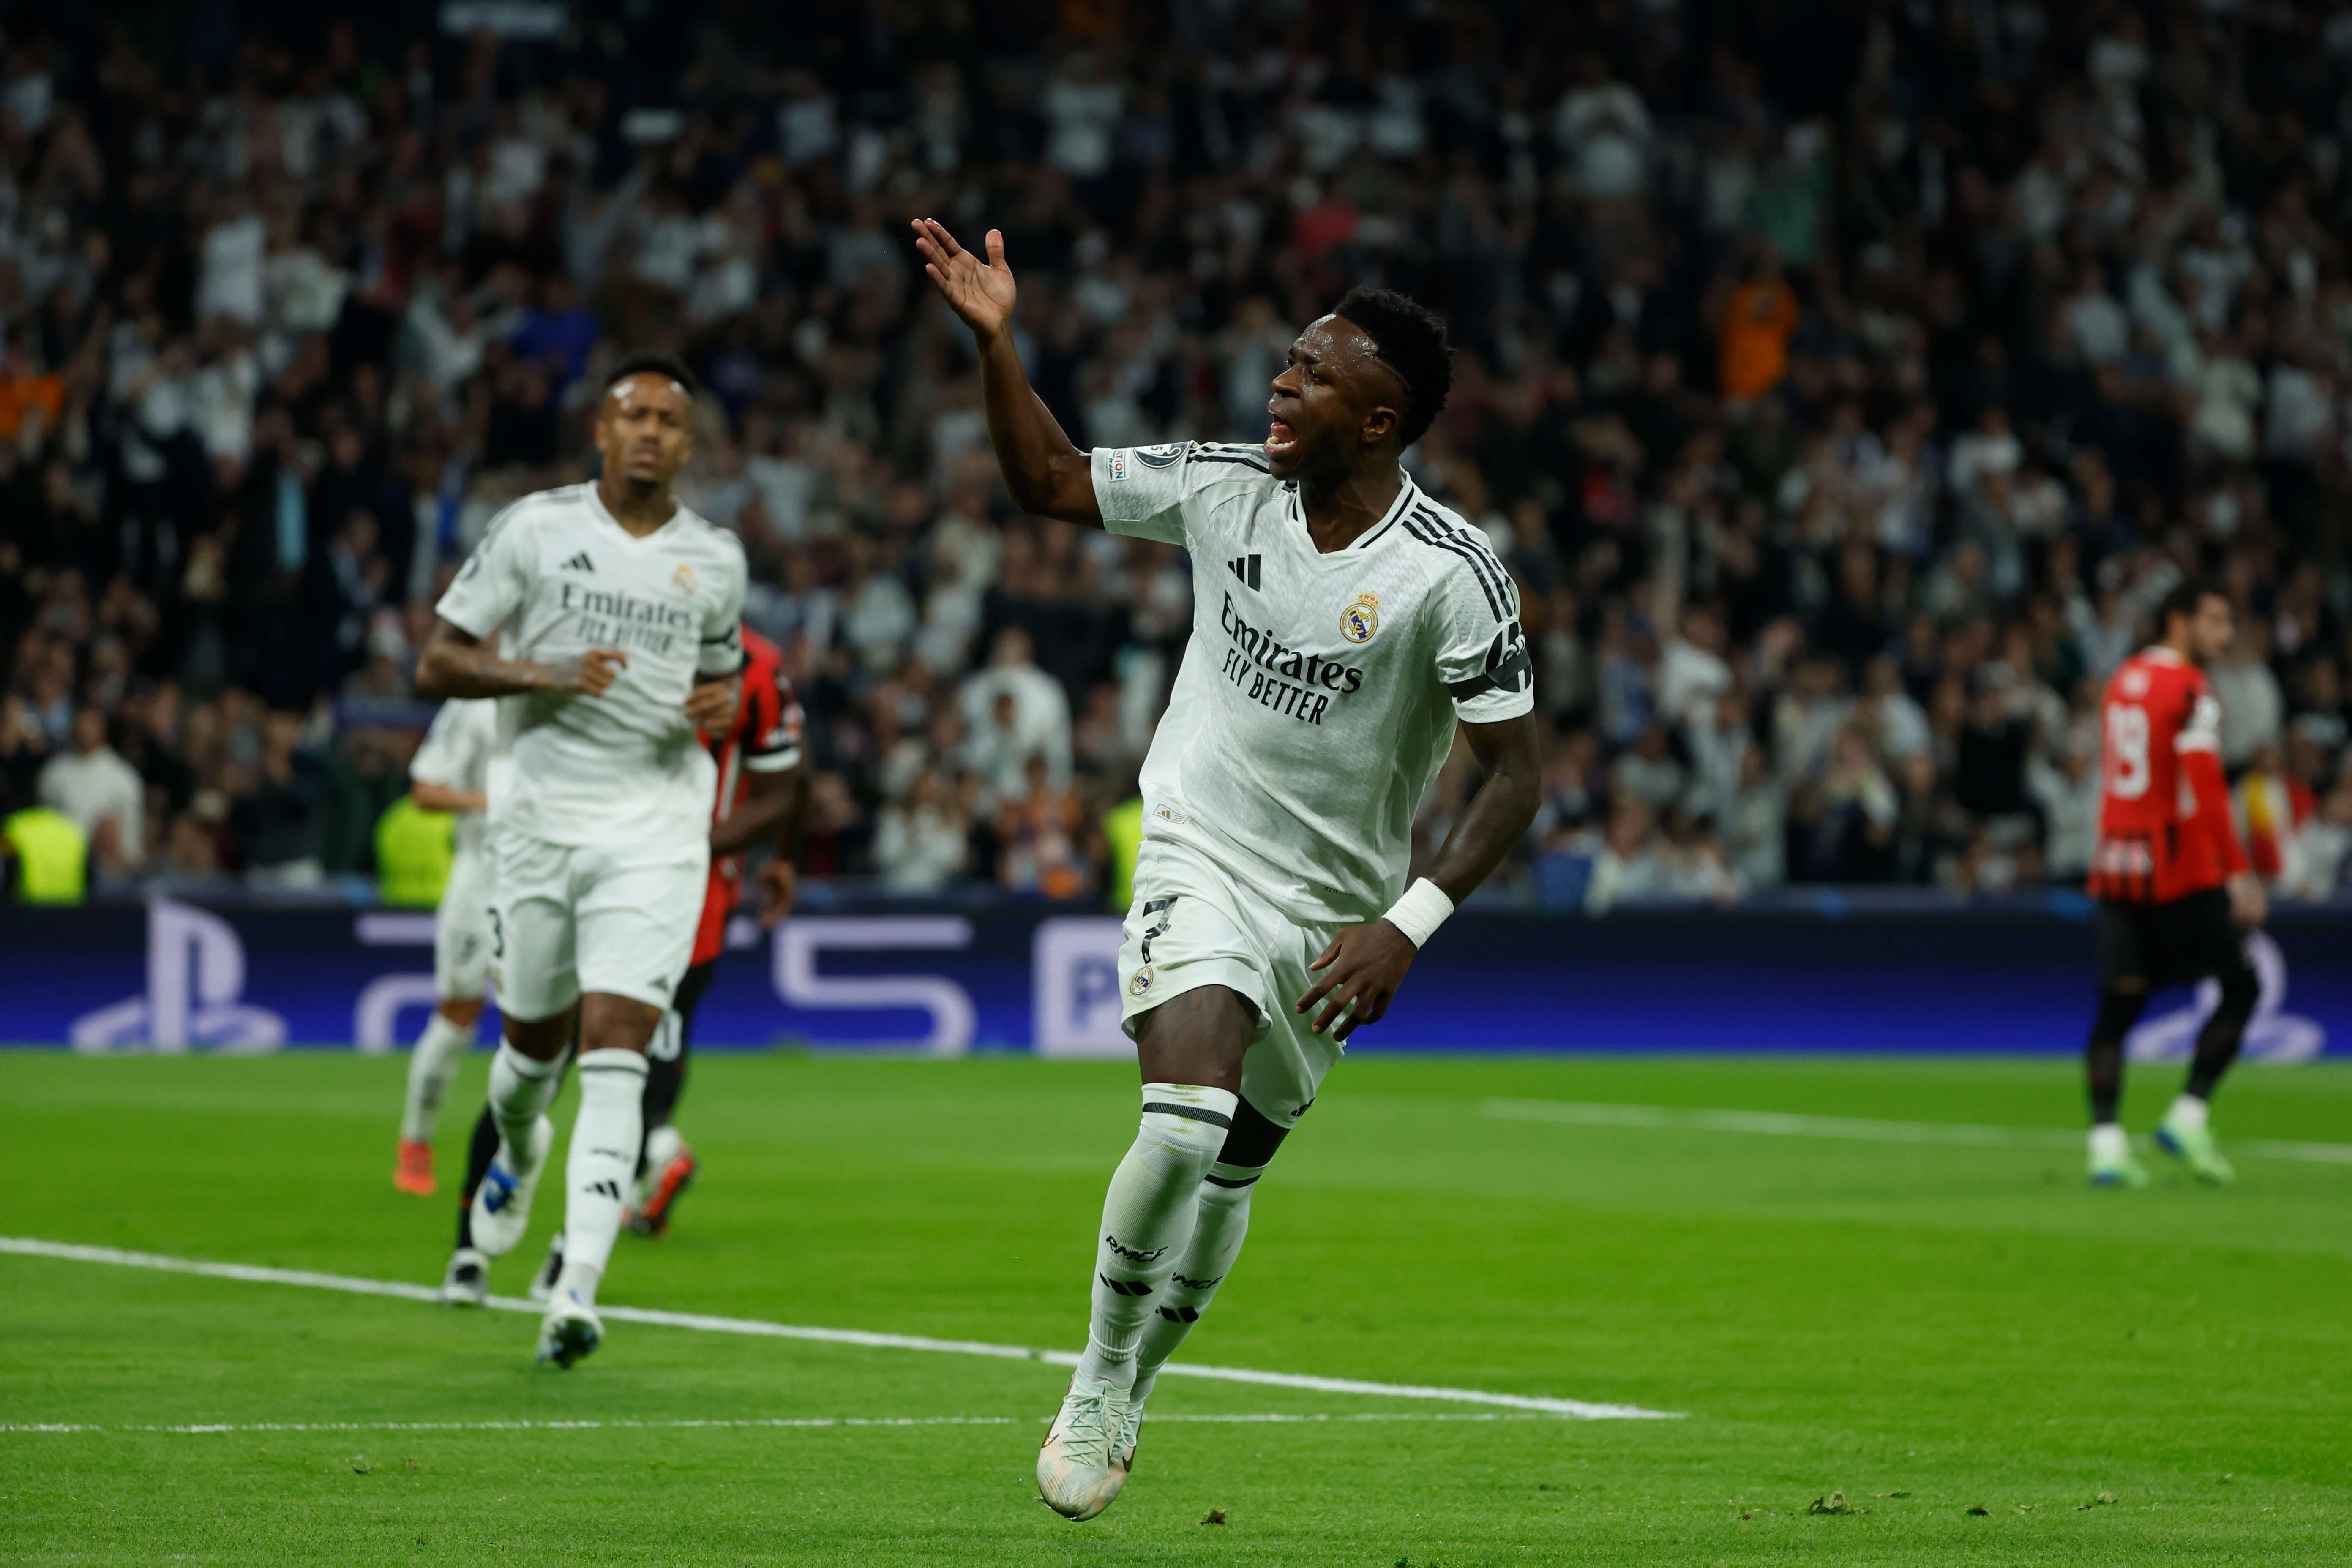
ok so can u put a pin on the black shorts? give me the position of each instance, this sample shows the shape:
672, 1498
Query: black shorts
690, 997
2171, 944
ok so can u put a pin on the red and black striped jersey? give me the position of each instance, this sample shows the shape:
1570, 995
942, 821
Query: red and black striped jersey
2164, 817
765, 739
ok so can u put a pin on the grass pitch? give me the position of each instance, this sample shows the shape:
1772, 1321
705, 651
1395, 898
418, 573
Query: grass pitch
1927, 1329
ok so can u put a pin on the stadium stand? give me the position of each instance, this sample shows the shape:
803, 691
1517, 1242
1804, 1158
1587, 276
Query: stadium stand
1843, 383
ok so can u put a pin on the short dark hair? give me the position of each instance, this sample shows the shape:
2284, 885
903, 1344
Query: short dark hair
2184, 600
652, 362
1410, 339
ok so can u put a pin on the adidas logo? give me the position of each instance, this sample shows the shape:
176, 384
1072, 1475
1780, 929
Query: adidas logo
606, 1190
1245, 567
580, 563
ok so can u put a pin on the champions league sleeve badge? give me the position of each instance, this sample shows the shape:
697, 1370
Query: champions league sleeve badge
1359, 620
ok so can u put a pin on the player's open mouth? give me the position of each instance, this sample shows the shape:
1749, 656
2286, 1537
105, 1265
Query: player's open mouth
1280, 438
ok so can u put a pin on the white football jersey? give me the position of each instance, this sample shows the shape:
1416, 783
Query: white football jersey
557, 576
1318, 697
457, 753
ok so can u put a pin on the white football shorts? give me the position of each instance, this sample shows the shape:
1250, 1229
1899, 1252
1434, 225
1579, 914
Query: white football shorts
463, 942
573, 918
1194, 924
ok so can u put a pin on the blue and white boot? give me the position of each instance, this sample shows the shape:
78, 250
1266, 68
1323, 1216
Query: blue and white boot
502, 1202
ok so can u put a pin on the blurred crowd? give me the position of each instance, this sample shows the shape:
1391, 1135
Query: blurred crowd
1844, 380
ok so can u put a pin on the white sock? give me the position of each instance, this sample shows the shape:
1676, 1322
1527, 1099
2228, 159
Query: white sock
1218, 1227
1147, 1218
602, 1164
440, 1051
2108, 1142
2190, 1112
520, 1091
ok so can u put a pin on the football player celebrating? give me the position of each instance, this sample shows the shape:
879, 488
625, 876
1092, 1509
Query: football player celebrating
1344, 623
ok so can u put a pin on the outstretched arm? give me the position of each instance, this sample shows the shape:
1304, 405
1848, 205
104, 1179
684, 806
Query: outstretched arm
1365, 964
1044, 473
456, 663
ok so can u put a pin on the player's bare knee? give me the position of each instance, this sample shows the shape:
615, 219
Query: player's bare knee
609, 1023
540, 1039
463, 1011
1198, 1037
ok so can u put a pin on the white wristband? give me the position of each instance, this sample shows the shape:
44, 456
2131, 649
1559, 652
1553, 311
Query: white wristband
1421, 911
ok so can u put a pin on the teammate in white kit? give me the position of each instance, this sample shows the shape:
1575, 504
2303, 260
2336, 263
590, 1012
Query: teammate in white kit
451, 772
620, 611
1342, 624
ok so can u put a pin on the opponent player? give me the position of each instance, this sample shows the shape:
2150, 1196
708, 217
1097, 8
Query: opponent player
450, 772
2176, 895
763, 793
1343, 623
619, 603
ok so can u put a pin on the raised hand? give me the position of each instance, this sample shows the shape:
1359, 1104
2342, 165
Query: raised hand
982, 293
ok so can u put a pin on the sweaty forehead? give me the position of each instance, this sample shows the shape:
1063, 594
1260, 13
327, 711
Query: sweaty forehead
1345, 349
1329, 337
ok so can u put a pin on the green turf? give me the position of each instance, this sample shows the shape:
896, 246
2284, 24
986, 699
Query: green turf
1927, 1329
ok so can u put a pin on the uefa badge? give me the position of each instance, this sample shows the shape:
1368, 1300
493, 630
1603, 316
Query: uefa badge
1359, 620
683, 579
1141, 983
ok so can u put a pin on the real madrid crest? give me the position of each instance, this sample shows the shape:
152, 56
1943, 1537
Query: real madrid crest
683, 578
1359, 620
1141, 983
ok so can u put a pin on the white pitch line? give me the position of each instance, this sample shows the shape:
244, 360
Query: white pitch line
199, 1429
1779, 1125
1579, 1409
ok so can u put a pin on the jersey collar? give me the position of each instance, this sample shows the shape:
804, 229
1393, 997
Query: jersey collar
596, 504
1408, 496
2161, 654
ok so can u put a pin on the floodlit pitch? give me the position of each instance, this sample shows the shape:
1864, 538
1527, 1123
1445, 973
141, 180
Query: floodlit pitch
1919, 1327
